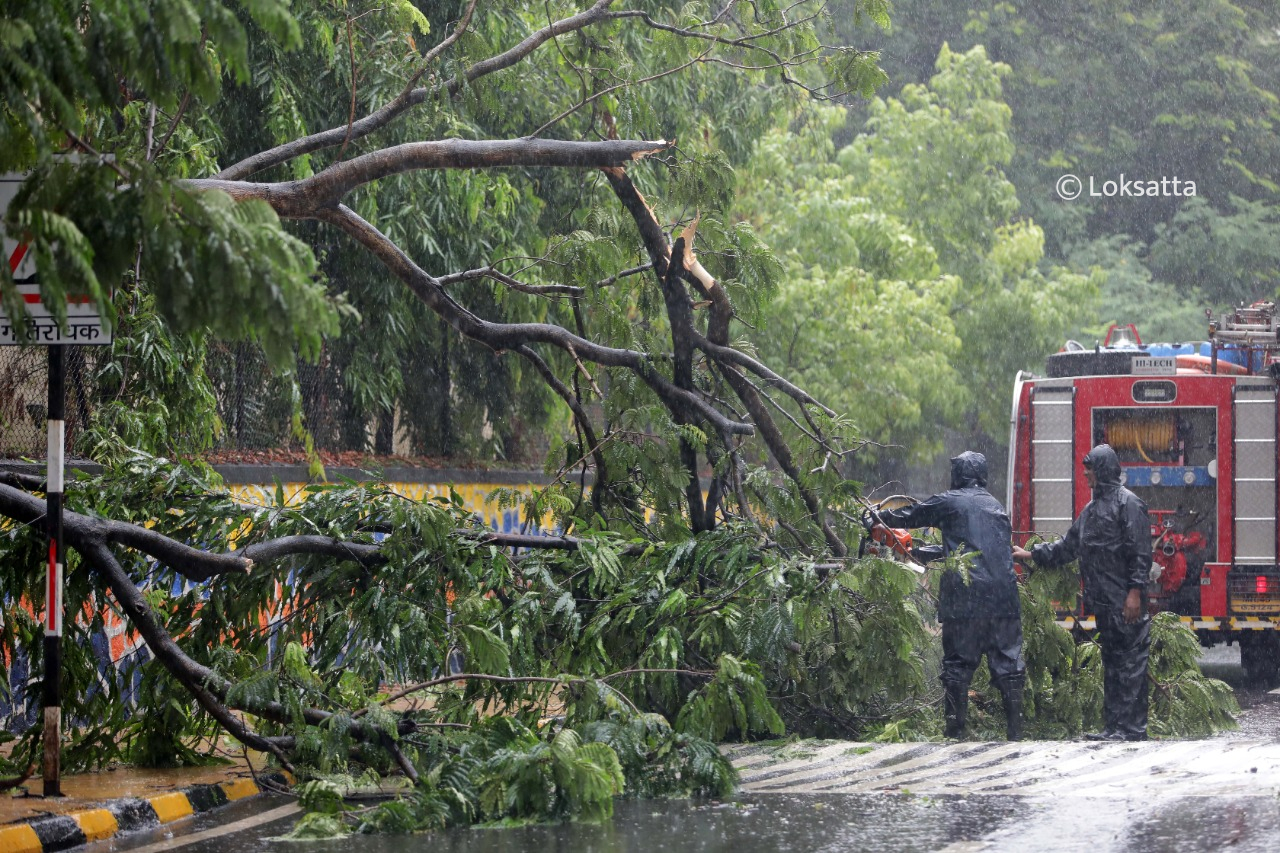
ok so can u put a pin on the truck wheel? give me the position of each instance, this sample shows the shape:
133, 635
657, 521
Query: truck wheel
1260, 658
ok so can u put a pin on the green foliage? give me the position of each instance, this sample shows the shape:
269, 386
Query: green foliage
1231, 257
936, 157
64, 61
710, 632
734, 701
321, 796
861, 318
1185, 703
155, 394
659, 761
317, 826
71, 74
561, 777
1131, 294
905, 261
1101, 89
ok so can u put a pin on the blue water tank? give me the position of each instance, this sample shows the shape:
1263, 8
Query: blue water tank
1253, 359
1195, 348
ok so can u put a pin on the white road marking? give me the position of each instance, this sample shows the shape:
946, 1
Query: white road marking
1117, 771
246, 823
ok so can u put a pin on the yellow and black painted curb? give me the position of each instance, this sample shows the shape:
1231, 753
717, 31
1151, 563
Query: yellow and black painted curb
64, 831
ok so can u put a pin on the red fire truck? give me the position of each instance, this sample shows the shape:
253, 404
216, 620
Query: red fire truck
1195, 427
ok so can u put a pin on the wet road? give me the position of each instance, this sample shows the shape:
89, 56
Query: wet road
1222, 793
798, 823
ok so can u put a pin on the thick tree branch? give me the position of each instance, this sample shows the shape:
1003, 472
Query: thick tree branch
680, 319
83, 532
203, 683
303, 198
728, 355
510, 336
652, 236
327, 546
26, 482
680, 256
721, 309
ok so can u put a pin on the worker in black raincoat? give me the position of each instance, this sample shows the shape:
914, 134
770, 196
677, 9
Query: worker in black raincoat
1112, 539
981, 616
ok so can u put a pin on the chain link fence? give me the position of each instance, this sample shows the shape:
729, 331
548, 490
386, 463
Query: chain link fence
24, 398
255, 405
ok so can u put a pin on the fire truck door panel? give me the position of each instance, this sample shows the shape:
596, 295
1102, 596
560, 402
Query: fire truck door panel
1254, 481
1213, 589
1052, 459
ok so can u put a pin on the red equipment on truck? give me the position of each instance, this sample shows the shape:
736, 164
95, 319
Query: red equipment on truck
1195, 427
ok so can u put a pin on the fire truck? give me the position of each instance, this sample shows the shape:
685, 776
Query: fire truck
1195, 426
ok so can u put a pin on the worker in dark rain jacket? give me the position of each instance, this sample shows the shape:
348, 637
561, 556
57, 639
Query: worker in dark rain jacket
1112, 539
981, 616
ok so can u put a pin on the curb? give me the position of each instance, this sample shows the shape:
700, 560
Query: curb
64, 831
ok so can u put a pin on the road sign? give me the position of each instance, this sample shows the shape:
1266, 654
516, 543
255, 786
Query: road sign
84, 324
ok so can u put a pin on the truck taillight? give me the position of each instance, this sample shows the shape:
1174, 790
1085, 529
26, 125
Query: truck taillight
1260, 584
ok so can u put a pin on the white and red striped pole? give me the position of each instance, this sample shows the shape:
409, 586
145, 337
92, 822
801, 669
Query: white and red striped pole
53, 588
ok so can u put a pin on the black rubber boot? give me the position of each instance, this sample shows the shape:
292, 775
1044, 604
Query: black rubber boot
1011, 693
956, 708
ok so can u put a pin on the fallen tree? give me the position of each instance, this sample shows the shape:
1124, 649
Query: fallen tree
699, 488
322, 633
358, 632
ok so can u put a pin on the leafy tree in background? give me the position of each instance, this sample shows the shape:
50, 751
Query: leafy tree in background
910, 232
1131, 294
1150, 90
1232, 253
935, 157
863, 311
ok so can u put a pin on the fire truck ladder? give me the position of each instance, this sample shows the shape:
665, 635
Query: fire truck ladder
1254, 496
1256, 326
1052, 435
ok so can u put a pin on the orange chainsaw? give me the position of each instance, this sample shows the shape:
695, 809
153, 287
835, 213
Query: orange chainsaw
892, 542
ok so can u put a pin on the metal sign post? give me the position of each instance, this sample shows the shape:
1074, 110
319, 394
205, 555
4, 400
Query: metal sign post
52, 694
84, 326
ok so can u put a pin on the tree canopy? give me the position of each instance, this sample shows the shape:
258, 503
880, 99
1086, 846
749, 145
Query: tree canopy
916, 223
582, 213
1145, 90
